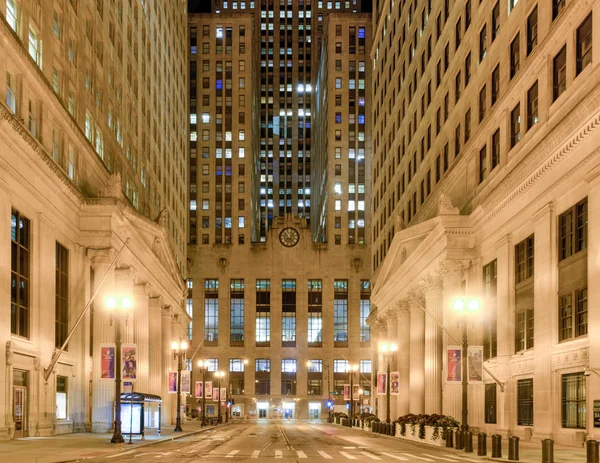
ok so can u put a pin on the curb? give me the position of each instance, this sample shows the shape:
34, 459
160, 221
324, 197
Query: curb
148, 444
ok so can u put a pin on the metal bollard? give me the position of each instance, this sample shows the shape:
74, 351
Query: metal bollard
388, 429
482, 444
468, 440
513, 448
373, 426
458, 436
449, 442
592, 451
496, 446
547, 451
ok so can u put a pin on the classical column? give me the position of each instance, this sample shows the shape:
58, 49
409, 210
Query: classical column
417, 355
403, 322
392, 337
155, 373
167, 364
6, 380
544, 287
433, 345
141, 335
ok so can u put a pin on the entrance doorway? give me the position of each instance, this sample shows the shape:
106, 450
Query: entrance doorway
314, 410
288, 410
262, 413
20, 402
262, 409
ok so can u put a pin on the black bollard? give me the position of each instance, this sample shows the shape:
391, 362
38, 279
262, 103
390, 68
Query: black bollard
449, 442
482, 444
458, 436
496, 446
513, 448
592, 451
547, 451
468, 440
373, 426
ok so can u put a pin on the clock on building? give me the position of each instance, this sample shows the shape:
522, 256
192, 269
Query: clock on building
289, 237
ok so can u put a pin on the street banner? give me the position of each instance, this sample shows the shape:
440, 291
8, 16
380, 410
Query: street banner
198, 389
223, 394
346, 392
185, 381
454, 364
129, 362
475, 364
107, 359
395, 383
381, 382
208, 390
172, 382
215, 392
355, 392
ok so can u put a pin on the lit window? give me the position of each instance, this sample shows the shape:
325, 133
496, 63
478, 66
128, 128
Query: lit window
338, 205
241, 221
205, 118
11, 14
338, 188
242, 135
34, 47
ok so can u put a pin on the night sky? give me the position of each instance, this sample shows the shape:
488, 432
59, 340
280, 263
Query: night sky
203, 6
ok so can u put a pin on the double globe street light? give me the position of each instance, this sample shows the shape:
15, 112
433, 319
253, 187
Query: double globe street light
388, 351
179, 349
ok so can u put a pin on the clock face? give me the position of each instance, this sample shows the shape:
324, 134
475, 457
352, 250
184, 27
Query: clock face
289, 237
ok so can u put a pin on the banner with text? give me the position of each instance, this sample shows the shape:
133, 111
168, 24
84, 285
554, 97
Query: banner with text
475, 364
198, 389
186, 381
208, 390
107, 359
223, 394
394, 383
454, 355
172, 382
381, 382
346, 392
129, 362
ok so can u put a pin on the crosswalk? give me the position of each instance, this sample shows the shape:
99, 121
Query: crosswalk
348, 453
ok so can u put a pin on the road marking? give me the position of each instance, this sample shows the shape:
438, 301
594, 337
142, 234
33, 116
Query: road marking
394, 456
301, 454
371, 456
278, 454
255, 454
347, 455
463, 458
121, 454
348, 448
324, 455
414, 456
232, 453
441, 458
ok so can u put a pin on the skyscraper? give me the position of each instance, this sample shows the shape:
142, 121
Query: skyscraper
280, 173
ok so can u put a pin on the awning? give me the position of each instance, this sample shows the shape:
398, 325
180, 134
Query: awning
139, 397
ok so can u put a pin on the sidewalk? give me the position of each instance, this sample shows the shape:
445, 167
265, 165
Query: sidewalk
69, 447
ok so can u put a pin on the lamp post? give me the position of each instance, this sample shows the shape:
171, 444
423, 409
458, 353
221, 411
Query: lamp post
219, 375
388, 351
329, 402
203, 364
351, 370
118, 309
179, 349
465, 306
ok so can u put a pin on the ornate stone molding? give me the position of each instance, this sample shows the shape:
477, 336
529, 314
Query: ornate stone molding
400, 224
432, 283
504, 240
103, 255
546, 209
222, 263
357, 263
445, 206
453, 268
416, 294
9, 353
402, 307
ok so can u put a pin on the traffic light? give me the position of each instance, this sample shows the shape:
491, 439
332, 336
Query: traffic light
347, 405
329, 403
229, 404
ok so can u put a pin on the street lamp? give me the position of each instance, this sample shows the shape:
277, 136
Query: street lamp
203, 364
219, 375
329, 401
465, 306
118, 308
179, 349
351, 370
388, 351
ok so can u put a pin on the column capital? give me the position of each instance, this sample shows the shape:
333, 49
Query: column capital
453, 269
402, 307
416, 294
543, 211
431, 284
101, 255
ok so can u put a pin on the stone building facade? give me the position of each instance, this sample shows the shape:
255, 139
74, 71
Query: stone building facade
487, 187
82, 178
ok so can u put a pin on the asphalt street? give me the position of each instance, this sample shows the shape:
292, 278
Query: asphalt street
287, 441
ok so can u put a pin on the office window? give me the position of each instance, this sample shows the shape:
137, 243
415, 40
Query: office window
573, 230
524, 323
584, 44
341, 366
490, 342
515, 125
557, 7
467, 69
340, 312
525, 402
19, 275
61, 310
236, 365
495, 20
559, 73
236, 325
315, 315
482, 164
532, 106
524, 260
482, 103
573, 400
490, 403
211, 311
12, 15
11, 92
573, 320
495, 149
365, 309
34, 47
482, 43
61, 397
263, 312
288, 308
495, 84
532, 30
515, 56
467, 125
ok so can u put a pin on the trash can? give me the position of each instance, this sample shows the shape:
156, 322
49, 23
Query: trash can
513, 448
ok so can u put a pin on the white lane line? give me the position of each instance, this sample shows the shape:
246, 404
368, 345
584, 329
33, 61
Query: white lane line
463, 458
255, 454
301, 454
414, 456
232, 453
440, 458
121, 454
348, 448
278, 454
394, 456
347, 455
324, 455
371, 456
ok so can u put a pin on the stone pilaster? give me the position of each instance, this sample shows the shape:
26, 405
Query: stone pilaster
417, 354
433, 345
141, 335
392, 336
404, 353
167, 363
155, 372
6, 422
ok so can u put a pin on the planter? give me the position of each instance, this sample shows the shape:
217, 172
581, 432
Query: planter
439, 442
346, 422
